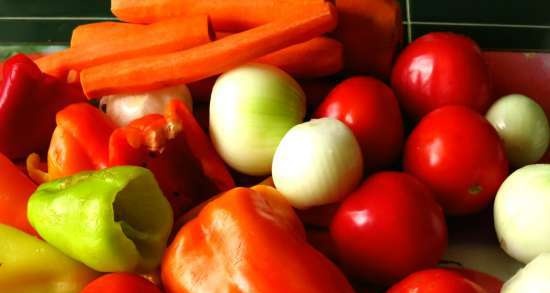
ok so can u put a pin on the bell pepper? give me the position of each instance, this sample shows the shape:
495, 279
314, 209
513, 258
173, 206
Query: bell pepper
177, 151
30, 265
113, 220
29, 100
121, 283
15, 190
248, 240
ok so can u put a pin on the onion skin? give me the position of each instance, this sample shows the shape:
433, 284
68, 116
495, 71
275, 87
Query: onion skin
251, 109
534, 278
318, 162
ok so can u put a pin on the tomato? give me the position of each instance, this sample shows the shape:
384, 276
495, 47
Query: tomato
490, 283
121, 283
369, 108
388, 228
436, 281
460, 156
441, 69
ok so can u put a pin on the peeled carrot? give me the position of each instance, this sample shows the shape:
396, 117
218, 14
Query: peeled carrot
153, 72
158, 38
314, 58
371, 31
91, 33
226, 15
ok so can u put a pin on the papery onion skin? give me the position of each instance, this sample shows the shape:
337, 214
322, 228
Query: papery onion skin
251, 109
318, 162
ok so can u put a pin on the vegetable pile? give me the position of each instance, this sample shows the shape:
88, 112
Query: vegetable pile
266, 146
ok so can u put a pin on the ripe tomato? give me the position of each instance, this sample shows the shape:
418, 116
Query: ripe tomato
369, 108
460, 156
436, 281
441, 69
490, 283
388, 228
121, 283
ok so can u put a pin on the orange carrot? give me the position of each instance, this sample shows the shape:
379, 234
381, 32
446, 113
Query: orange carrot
314, 58
226, 15
91, 33
158, 38
371, 31
153, 72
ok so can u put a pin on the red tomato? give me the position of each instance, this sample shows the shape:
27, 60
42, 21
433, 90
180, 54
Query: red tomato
490, 283
436, 281
121, 283
388, 228
369, 108
441, 69
460, 156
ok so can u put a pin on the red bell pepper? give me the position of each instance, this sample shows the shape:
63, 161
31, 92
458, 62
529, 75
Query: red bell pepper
177, 151
15, 190
29, 100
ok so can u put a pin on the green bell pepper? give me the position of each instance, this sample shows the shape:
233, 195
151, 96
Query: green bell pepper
113, 220
30, 265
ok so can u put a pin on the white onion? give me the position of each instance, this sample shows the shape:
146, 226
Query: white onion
125, 108
522, 212
534, 278
251, 109
523, 126
317, 162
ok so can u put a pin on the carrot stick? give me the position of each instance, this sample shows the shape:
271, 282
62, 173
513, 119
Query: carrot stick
153, 72
162, 37
226, 15
314, 58
371, 31
91, 33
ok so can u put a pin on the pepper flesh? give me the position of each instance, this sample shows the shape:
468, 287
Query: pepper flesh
29, 100
248, 240
176, 150
30, 265
113, 220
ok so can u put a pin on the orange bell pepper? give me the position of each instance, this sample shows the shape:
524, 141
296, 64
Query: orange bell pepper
248, 240
15, 190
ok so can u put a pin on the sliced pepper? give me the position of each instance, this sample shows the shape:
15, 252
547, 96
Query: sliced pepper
176, 150
15, 190
30, 265
29, 101
113, 220
248, 240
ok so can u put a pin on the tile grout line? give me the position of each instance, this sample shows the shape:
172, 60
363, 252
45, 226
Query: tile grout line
409, 22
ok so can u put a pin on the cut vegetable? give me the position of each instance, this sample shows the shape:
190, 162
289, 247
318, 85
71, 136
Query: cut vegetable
154, 72
371, 32
91, 33
226, 15
124, 108
162, 37
251, 109
317, 162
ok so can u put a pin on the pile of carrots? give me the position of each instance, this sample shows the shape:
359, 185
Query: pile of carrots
160, 43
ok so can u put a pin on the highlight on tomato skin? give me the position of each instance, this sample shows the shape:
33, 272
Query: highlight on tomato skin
436, 281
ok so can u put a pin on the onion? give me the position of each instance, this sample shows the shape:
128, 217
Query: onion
251, 109
317, 162
534, 278
125, 108
522, 212
522, 125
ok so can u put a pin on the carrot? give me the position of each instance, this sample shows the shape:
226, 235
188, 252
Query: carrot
153, 72
314, 58
371, 31
162, 37
91, 33
226, 15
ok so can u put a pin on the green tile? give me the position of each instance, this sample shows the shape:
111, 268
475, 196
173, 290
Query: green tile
58, 8
40, 31
500, 38
530, 12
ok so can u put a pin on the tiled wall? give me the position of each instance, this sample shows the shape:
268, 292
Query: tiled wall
495, 24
